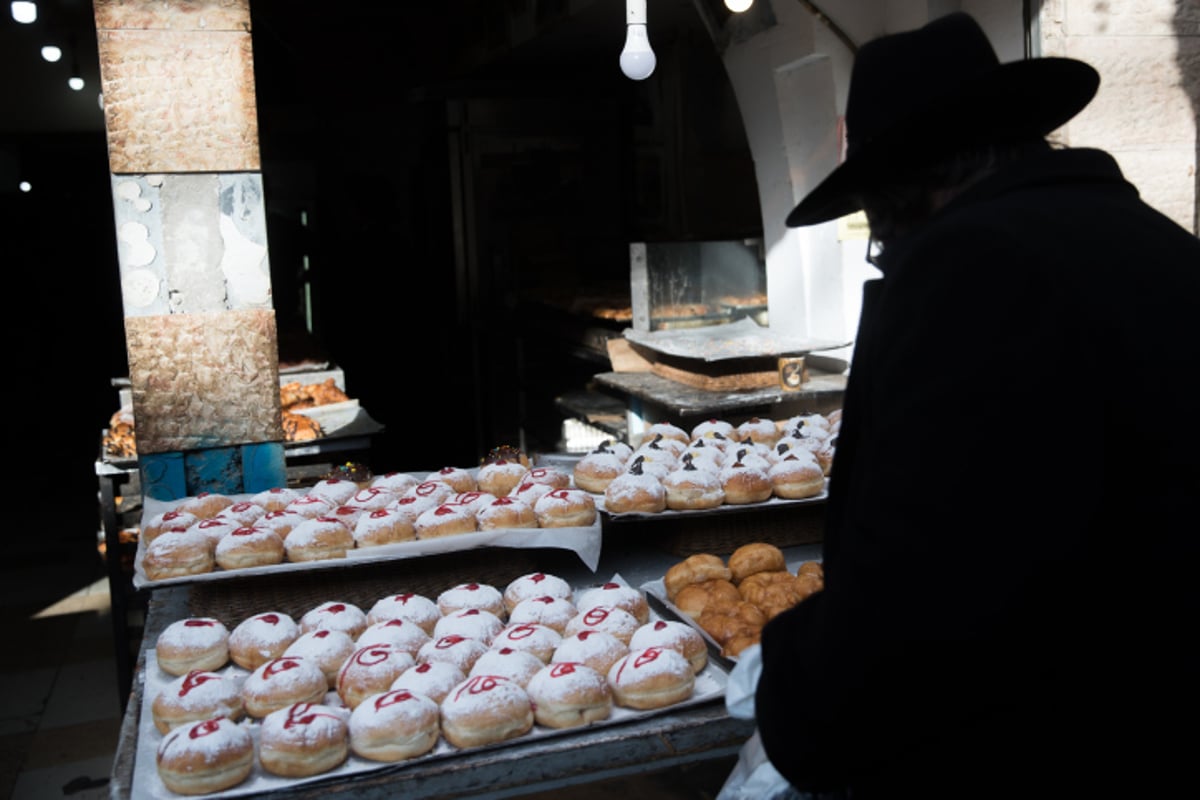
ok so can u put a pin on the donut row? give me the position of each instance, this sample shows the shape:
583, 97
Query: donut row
210, 531
474, 666
714, 464
732, 601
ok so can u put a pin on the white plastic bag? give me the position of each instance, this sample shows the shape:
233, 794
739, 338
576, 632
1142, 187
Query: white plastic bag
753, 777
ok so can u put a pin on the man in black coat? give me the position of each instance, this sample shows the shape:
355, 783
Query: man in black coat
1011, 590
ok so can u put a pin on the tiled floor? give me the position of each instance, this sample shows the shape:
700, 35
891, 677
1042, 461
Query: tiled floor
60, 709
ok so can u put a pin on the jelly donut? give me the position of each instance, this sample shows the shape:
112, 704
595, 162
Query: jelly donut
447, 519
433, 679
399, 633
610, 619
197, 696
461, 651
371, 670
328, 649
568, 694
540, 640
303, 739
597, 649
395, 482
415, 608
535, 584
260, 638
457, 478
248, 546
394, 725
553, 612
505, 512
475, 623
383, 526
274, 499
516, 665
472, 595
335, 615
205, 757
675, 635
336, 490
178, 554
500, 477
318, 539
565, 508
653, 677
280, 682
195, 643
617, 595
485, 709
205, 504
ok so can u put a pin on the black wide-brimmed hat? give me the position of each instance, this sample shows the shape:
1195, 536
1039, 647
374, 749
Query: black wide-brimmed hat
918, 93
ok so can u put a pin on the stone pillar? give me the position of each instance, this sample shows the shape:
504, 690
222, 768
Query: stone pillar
179, 105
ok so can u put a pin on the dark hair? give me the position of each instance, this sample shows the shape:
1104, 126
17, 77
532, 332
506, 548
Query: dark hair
904, 198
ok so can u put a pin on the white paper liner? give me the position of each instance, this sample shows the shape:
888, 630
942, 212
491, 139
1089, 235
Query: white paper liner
147, 785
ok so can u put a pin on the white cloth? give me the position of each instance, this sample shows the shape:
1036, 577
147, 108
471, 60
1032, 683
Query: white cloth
753, 777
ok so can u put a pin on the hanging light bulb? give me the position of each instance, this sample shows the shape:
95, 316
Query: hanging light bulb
51, 53
637, 59
24, 12
738, 6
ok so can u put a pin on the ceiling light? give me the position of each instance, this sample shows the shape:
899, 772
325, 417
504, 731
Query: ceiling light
51, 53
637, 59
24, 12
738, 6
25, 186
75, 82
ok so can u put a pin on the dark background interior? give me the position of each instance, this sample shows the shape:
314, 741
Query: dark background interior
465, 188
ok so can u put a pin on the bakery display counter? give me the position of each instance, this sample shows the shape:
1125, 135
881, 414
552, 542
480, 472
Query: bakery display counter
686, 733
652, 396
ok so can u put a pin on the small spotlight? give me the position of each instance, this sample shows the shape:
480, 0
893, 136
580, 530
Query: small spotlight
51, 53
25, 186
76, 83
738, 6
24, 12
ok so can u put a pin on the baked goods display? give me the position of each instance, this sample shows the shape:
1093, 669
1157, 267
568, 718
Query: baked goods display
732, 601
400, 693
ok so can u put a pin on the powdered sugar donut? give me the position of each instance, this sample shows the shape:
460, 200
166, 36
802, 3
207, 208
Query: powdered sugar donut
565, 508
371, 670
415, 608
756, 429
411, 506
243, 512
535, 584
610, 619
383, 526
177, 554
596, 469
500, 477
666, 430
745, 483
336, 490
505, 512
348, 515
540, 640
553, 612
399, 633
797, 476
205, 504
447, 519
335, 615
196, 696
597, 649
690, 487
485, 709
461, 651
529, 492
472, 595
568, 695
433, 679
373, 498
473, 501
659, 448
617, 595
281, 522
651, 678
274, 499
260, 638
516, 665
635, 491
215, 529
710, 427
318, 539
195, 643
205, 757
438, 491
280, 682
396, 482
303, 739
704, 454
311, 505
675, 635
326, 648
459, 479
551, 476
471, 622
248, 546
394, 726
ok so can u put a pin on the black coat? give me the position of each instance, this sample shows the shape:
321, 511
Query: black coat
1011, 600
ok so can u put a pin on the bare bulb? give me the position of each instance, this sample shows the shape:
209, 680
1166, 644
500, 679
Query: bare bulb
24, 11
51, 53
738, 6
637, 59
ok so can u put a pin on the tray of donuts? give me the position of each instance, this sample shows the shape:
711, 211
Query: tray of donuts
729, 601
716, 466
273, 700
341, 521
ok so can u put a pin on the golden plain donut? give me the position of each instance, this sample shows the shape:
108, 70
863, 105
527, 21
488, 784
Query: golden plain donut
569, 695
485, 709
178, 554
596, 469
597, 649
337, 491
303, 740
274, 499
402, 634
610, 619
172, 520
195, 643
635, 491
395, 482
507, 662
248, 546
318, 539
797, 476
394, 726
205, 757
694, 598
260, 638
618, 595
540, 640
457, 478
475, 623
197, 696
744, 483
280, 682
565, 508
416, 608
447, 519
675, 635
501, 476
326, 648
472, 595
553, 612
433, 679
654, 677
461, 651
688, 487
755, 557
505, 512
371, 670
383, 526
205, 504
694, 569
535, 584
335, 615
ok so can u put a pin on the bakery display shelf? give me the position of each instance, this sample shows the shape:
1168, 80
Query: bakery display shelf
709, 688
740, 508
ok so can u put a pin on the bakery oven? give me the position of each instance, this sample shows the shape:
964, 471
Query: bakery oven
698, 283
